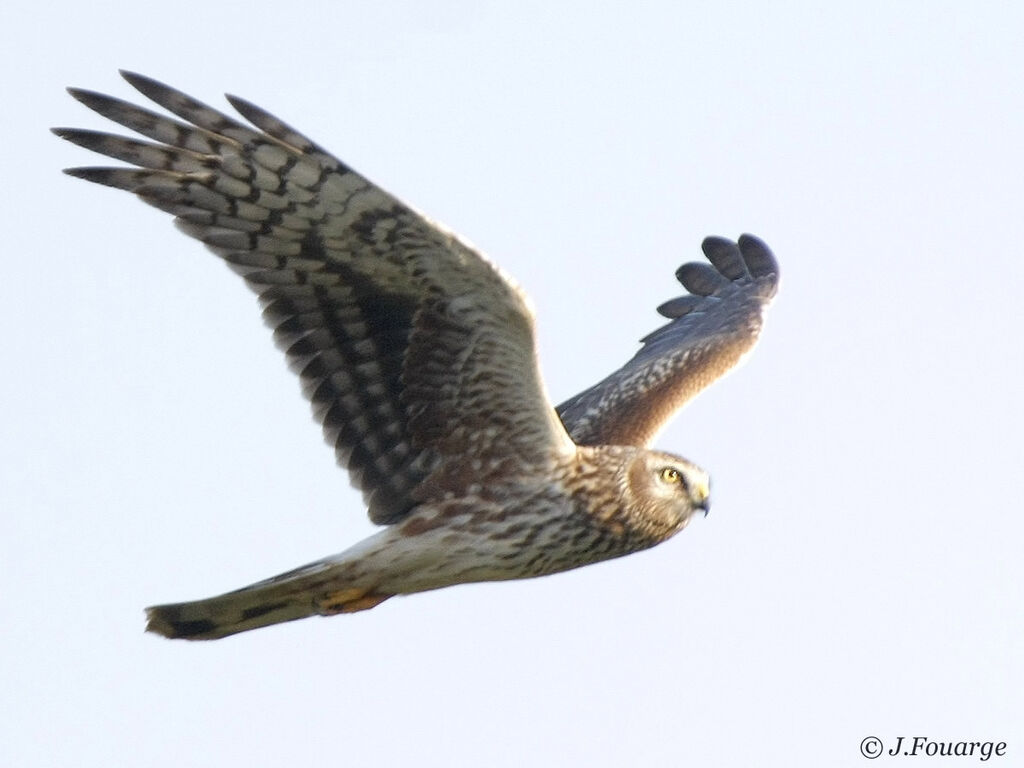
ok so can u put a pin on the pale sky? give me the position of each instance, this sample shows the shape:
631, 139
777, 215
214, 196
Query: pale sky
860, 573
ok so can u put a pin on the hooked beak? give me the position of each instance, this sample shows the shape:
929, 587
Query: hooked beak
703, 498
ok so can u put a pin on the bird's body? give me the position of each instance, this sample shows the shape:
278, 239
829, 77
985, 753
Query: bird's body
558, 523
419, 359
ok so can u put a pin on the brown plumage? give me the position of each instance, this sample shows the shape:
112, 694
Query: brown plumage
418, 357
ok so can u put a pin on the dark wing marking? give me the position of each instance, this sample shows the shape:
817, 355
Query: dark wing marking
411, 346
712, 327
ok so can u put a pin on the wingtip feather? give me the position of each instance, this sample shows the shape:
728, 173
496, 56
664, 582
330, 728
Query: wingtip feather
87, 97
88, 173
139, 81
759, 257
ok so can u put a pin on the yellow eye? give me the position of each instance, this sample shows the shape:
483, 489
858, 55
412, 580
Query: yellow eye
671, 475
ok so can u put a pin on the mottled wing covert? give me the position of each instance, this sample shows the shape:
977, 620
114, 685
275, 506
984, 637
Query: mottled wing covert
405, 339
712, 327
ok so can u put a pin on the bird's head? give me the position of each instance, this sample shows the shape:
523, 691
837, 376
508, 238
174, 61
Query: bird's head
667, 490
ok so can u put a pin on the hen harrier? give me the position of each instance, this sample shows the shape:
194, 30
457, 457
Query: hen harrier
418, 357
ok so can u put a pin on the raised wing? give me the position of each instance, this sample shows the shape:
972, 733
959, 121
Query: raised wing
712, 327
406, 340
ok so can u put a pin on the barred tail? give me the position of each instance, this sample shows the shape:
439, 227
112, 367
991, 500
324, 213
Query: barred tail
307, 591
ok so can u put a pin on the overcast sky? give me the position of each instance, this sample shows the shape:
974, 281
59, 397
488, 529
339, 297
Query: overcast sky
861, 571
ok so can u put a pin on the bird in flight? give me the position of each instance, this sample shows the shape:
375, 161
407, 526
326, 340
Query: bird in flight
419, 359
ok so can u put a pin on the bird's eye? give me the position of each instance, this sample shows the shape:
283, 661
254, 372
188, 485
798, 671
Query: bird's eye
671, 475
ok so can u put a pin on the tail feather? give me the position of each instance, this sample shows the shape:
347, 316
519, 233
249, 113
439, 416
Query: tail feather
308, 591
218, 617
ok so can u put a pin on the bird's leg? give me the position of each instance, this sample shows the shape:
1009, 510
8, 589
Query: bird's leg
348, 601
